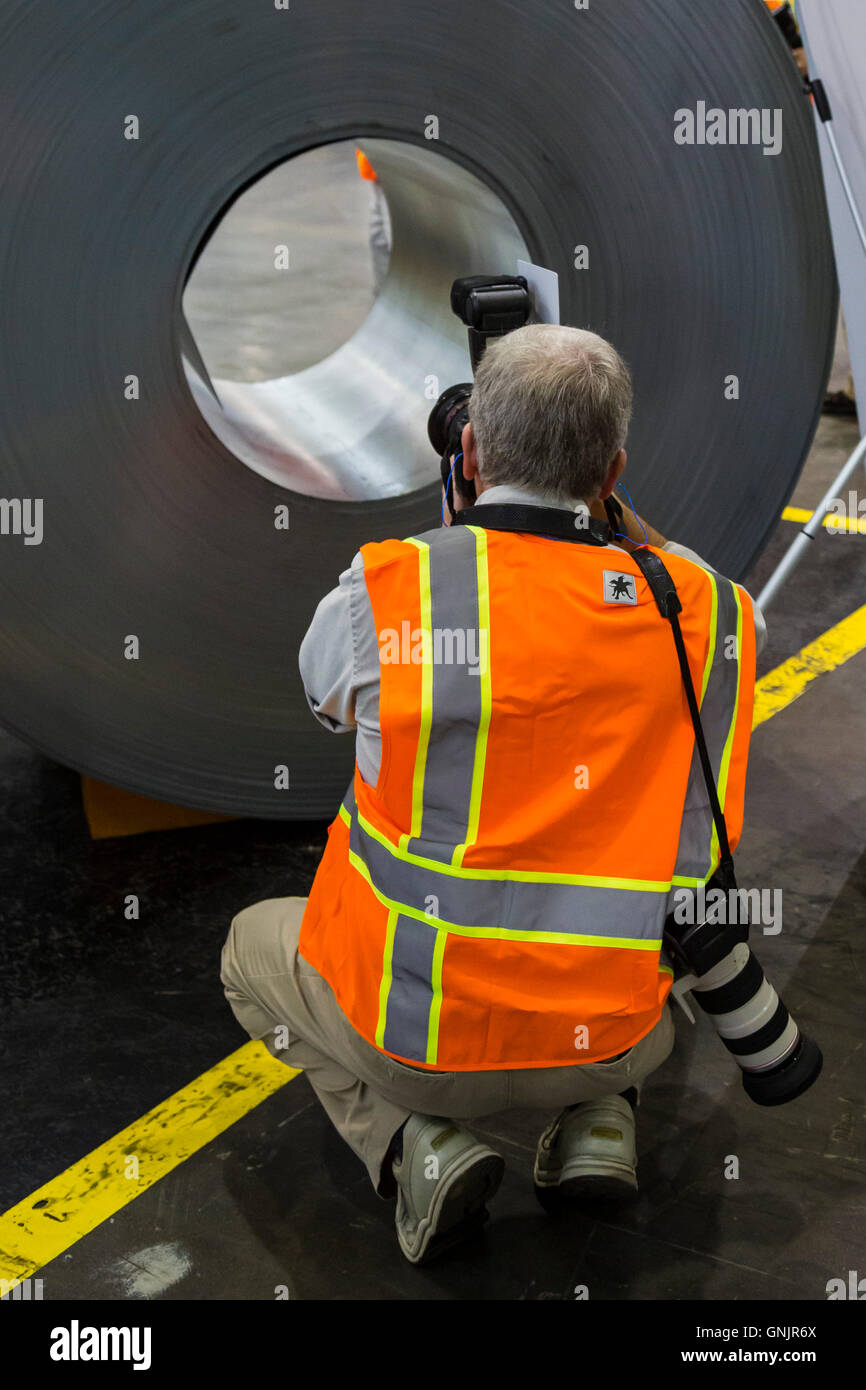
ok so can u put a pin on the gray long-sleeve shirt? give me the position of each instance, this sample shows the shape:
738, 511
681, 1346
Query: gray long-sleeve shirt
339, 656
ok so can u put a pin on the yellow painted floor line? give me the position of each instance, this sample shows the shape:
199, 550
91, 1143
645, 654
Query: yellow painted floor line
832, 521
784, 685
55, 1216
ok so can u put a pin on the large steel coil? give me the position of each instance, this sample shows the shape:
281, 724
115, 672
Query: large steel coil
554, 128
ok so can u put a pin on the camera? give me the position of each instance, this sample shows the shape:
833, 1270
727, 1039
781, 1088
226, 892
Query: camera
490, 306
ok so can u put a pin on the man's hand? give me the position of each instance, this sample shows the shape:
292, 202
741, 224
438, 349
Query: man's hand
632, 527
458, 502
470, 473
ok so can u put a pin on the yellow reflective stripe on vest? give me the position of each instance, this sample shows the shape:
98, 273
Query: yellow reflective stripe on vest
698, 848
483, 589
404, 1026
385, 983
497, 933
456, 693
410, 992
628, 885
436, 1003
711, 645
722, 783
426, 696
463, 902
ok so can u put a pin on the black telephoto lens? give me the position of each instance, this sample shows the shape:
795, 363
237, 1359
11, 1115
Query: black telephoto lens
778, 1062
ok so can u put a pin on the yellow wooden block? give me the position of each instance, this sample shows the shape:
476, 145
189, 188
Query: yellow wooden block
110, 811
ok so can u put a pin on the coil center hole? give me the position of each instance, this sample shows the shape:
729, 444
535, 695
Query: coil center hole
316, 351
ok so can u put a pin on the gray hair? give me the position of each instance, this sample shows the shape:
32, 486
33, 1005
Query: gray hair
550, 409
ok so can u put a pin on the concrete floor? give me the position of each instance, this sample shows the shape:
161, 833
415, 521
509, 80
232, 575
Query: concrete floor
103, 1018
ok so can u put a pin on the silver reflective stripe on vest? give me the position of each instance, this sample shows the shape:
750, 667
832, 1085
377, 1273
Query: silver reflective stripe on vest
503, 905
694, 861
456, 646
409, 999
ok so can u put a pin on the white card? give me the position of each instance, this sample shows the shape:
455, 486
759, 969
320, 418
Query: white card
544, 288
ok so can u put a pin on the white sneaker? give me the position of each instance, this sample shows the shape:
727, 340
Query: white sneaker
589, 1152
443, 1180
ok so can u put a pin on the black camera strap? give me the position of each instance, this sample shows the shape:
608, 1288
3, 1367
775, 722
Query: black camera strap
552, 522
668, 603
580, 527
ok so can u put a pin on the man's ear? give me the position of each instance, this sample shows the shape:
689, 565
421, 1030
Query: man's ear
470, 452
613, 474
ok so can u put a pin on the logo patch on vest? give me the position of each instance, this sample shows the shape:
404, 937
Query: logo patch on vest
619, 588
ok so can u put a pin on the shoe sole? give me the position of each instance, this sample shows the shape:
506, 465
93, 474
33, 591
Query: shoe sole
458, 1209
594, 1182
599, 1187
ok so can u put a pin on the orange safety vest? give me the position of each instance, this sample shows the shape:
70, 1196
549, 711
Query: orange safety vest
497, 899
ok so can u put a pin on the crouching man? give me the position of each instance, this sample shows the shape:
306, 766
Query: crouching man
485, 926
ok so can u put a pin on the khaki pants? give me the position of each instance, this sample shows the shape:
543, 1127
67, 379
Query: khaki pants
278, 998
